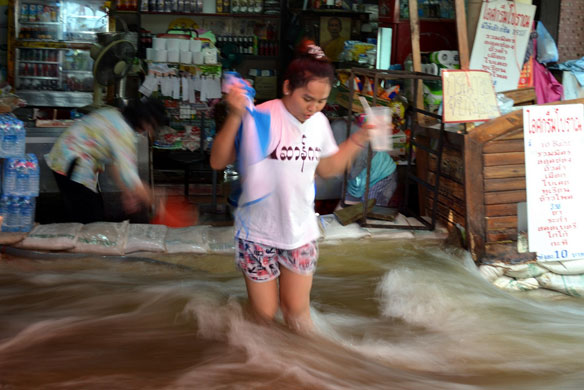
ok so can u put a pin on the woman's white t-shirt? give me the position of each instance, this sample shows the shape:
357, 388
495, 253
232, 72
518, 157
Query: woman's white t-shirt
285, 219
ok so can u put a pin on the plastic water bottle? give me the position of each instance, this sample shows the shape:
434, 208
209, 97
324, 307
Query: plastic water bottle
20, 137
13, 215
2, 129
9, 141
9, 183
26, 213
22, 182
4, 211
33, 175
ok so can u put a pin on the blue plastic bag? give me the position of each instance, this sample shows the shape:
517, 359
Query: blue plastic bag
547, 51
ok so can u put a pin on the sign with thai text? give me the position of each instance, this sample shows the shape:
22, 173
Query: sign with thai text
501, 41
468, 96
554, 162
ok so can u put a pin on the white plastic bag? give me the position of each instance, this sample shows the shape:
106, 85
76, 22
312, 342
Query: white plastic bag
146, 237
221, 239
192, 239
52, 237
104, 238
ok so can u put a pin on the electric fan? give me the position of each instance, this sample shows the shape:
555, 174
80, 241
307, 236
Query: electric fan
112, 63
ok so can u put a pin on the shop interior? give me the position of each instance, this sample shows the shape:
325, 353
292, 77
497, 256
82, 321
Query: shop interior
62, 59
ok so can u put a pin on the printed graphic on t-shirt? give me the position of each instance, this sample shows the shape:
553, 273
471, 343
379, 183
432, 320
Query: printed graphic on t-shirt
297, 152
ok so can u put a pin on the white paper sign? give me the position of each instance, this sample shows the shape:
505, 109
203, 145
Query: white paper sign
501, 41
554, 165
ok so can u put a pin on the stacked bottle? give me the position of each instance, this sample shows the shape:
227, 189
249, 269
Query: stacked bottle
12, 136
20, 177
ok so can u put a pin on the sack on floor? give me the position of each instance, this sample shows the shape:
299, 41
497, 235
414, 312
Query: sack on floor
567, 284
51, 237
103, 238
221, 239
570, 267
525, 270
192, 239
332, 230
509, 284
491, 272
146, 238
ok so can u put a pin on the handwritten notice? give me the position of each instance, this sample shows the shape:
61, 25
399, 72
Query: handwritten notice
501, 41
468, 96
554, 161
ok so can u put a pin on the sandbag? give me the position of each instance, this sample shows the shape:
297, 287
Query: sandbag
104, 238
525, 270
570, 267
146, 238
192, 239
567, 284
491, 272
332, 230
221, 239
509, 284
52, 237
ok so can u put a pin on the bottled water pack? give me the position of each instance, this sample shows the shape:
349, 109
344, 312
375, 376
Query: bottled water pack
18, 213
12, 136
21, 176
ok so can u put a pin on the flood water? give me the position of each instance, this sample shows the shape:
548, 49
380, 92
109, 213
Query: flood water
389, 315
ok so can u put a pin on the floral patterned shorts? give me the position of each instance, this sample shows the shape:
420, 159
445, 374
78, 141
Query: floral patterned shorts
261, 263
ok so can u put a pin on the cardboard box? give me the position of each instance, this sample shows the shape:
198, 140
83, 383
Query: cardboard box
266, 87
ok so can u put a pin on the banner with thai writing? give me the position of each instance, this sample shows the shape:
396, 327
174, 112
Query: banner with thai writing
554, 166
501, 41
468, 96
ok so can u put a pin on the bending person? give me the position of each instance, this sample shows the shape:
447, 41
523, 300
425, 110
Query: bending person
104, 137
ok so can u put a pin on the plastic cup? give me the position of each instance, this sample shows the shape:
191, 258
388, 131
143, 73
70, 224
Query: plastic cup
380, 117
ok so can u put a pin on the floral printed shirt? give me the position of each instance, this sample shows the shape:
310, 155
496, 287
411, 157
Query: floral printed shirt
98, 139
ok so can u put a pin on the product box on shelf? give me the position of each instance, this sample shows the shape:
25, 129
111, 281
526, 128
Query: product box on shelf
266, 87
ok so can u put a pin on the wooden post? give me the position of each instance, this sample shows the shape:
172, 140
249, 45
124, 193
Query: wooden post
462, 34
416, 55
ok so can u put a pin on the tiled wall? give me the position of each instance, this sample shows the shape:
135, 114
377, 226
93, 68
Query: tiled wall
571, 30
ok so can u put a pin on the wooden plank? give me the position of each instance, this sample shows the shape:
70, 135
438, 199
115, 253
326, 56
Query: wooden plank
503, 235
522, 96
501, 223
446, 214
461, 33
452, 164
447, 186
353, 213
515, 135
507, 184
502, 172
504, 146
503, 125
451, 203
505, 197
506, 253
510, 158
422, 167
475, 205
499, 210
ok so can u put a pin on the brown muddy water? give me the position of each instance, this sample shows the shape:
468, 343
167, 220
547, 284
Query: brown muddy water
389, 315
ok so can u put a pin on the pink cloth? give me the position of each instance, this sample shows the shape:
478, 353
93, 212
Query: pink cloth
547, 88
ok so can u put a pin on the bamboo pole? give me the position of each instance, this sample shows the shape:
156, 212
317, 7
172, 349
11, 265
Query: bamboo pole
416, 55
461, 31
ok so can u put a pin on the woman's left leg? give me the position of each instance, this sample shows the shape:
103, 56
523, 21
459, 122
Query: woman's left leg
295, 299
